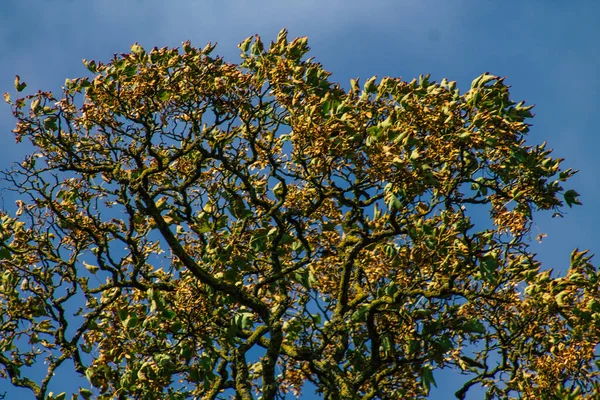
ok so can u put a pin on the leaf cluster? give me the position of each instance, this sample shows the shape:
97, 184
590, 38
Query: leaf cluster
252, 227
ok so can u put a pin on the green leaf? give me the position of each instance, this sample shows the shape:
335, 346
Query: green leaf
360, 314
130, 70
329, 106
244, 320
258, 242
86, 348
186, 46
474, 326
296, 246
245, 45
194, 376
488, 268
60, 396
386, 123
374, 132
393, 202
131, 322
35, 103
317, 318
482, 80
164, 95
370, 86
18, 84
123, 313
85, 393
92, 268
257, 48
564, 175
278, 190
90, 65
311, 279
428, 378
445, 344
204, 228
185, 351
4, 253
50, 123
392, 288
232, 330
137, 49
301, 276
571, 198
386, 344
89, 373
162, 359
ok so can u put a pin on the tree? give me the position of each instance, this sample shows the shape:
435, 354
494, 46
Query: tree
188, 227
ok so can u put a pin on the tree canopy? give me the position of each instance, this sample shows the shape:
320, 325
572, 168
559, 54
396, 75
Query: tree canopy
188, 227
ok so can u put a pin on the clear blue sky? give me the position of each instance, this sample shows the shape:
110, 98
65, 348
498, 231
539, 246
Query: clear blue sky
547, 48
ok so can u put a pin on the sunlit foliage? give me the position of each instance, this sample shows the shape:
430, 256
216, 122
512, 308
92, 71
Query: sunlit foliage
192, 228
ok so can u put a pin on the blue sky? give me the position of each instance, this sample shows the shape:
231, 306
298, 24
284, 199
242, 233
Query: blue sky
547, 48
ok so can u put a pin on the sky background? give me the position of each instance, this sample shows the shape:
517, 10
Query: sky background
547, 48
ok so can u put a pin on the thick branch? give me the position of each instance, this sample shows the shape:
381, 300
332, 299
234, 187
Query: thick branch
219, 285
